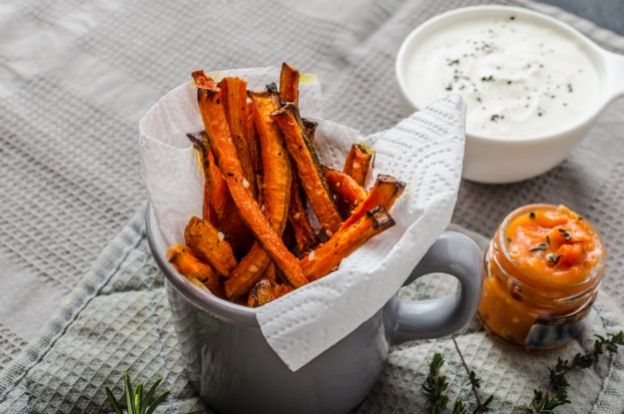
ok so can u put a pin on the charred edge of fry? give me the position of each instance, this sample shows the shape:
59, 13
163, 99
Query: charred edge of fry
327, 257
204, 241
384, 193
261, 293
196, 142
323, 198
272, 88
398, 186
247, 273
289, 84
381, 219
200, 143
310, 128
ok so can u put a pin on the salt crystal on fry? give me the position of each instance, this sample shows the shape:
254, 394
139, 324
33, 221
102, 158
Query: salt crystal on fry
220, 236
312, 255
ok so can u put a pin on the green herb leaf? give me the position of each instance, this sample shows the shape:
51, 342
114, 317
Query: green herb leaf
540, 247
567, 236
112, 401
553, 258
460, 407
136, 402
557, 393
435, 386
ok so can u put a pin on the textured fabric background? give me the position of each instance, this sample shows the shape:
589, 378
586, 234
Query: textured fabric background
118, 320
75, 76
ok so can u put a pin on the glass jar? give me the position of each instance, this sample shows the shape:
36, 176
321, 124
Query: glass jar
537, 292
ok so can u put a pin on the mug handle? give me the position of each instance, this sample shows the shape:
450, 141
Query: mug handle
454, 254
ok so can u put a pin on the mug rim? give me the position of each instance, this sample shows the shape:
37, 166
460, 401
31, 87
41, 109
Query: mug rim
207, 302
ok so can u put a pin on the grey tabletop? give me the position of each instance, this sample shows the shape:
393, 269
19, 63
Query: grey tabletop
76, 76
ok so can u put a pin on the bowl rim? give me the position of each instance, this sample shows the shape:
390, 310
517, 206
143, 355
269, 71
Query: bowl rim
205, 301
573, 33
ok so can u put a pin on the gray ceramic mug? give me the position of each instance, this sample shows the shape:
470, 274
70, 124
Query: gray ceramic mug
236, 371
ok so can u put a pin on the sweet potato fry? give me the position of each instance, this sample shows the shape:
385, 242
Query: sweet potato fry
209, 244
190, 266
252, 138
276, 167
213, 115
308, 168
234, 93
261, 293
358, 162
289, 84
219, 207
275, 192
270, 273
384, 193
247, 273
219, 194
305, 236
348, 192
326, 258
203, 150
265, 291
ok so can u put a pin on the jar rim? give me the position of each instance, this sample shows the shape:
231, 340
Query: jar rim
596, 272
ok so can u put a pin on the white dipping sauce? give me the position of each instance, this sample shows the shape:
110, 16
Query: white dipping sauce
518, 77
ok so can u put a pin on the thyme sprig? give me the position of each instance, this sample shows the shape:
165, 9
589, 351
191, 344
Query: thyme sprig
543, 402
475, 383
436, 384
556, 394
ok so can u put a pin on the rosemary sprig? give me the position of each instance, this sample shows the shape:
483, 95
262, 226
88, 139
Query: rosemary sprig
136, 401
557, 393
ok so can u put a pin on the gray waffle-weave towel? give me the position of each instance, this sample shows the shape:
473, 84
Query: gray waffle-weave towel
118, 321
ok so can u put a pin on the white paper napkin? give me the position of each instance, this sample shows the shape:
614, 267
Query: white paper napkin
424, 150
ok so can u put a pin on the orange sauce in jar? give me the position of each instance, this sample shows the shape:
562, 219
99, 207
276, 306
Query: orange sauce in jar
544, 266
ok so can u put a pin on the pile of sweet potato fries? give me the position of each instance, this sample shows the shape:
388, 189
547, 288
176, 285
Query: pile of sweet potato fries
255, 241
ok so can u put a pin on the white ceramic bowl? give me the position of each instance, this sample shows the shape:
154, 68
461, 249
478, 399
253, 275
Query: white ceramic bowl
500, 160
